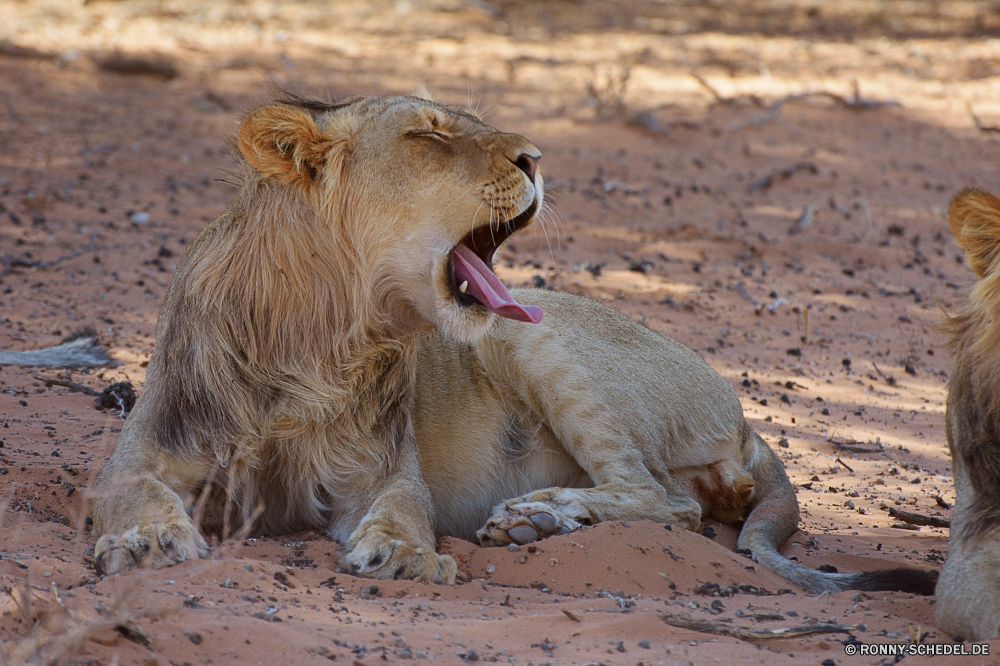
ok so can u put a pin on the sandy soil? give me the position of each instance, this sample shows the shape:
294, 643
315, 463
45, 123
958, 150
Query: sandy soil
765, 182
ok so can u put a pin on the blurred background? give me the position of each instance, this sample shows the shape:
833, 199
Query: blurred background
571, 57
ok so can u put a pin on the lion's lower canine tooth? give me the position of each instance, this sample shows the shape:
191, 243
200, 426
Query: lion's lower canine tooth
462, 287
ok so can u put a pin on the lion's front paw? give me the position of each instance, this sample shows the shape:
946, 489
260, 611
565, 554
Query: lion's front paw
375, 552
686, 514
523, 523
152, 543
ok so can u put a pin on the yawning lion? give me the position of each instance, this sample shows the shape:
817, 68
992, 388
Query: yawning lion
336, 352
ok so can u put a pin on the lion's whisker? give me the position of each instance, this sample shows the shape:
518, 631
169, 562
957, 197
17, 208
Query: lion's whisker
472, 226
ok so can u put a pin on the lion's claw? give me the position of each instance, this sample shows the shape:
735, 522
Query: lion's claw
377, 552
156, 544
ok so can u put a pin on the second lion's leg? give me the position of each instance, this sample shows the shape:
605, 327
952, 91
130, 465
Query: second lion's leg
627, 491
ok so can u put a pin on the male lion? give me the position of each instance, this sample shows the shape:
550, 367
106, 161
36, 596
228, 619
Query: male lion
968, 592
336, 352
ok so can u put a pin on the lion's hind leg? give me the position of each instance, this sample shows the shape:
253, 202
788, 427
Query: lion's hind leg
723, 489
527, 521
551, 511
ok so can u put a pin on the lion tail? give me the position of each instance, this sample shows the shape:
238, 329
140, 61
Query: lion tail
80, 350
774, 516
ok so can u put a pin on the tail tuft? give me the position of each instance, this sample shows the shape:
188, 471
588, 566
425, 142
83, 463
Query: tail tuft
898, 579
84, 332
80, 350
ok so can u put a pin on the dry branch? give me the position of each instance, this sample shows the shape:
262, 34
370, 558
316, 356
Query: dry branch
719, 98
10, 263
155, 65
853, 447
12, 50
73, 386
765, 182
853, 103
130, 630
918, 518
846, 466
979, 123
719, 629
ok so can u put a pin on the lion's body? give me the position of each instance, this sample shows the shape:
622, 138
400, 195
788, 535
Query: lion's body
968, 592
330, 356
556, 404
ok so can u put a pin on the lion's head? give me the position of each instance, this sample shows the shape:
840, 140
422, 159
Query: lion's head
418, 195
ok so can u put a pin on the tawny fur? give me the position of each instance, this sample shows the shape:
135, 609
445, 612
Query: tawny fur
968, 592
315, 369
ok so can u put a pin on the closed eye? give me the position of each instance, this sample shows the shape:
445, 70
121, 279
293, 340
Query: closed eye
434, 134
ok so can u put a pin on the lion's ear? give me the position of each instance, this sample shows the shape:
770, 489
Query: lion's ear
974, 217
284, 143
424, 93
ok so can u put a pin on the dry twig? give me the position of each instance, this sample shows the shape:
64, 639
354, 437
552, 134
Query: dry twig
918, 518
10, 263
719, 629
156, 65
853, 103
979, 123
844, 464
719, 99
765, 182
73, 386
12, 50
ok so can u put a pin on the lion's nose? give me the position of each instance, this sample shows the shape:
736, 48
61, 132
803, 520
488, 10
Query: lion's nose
528, 164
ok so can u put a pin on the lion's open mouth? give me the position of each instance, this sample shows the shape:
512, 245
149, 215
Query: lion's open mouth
472, 276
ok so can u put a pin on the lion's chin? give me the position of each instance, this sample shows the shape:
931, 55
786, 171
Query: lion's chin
464, 323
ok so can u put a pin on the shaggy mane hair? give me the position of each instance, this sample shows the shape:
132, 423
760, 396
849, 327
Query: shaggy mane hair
974, 338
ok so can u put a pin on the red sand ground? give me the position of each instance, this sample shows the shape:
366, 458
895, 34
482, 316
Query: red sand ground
644, 163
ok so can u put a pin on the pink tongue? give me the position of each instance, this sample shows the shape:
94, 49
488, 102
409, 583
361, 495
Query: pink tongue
487, 288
